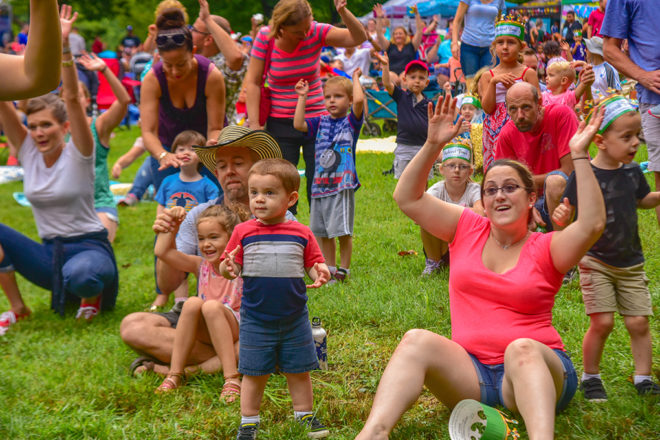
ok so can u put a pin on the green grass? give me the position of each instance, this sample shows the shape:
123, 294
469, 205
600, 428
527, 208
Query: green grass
62, 379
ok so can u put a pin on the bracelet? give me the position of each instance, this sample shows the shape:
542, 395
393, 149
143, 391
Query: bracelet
66, 49
67, 63
104, 68
581, 157
162, 155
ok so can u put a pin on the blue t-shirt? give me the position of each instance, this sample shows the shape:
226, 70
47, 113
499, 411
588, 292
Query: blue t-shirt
334, 169
175, 192
444, 52
479, 22
581, 51
635, 20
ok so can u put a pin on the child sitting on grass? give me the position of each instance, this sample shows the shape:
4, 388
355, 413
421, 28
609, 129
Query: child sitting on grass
456, 188
560, 76
187, 189
212, 317
272, 254
332, 213
612, 274
412, 110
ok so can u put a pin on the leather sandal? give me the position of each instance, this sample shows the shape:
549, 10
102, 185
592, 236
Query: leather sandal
170, 383
231, 390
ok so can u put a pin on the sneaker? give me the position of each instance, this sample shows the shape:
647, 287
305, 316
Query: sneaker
432, 266
129, 200
647, 387
340, 275
655, 112
593, 390
87, 312
569, 277
316, 428
7, 319
247, 431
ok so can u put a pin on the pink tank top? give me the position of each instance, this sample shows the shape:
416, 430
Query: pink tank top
213, 286
500, 90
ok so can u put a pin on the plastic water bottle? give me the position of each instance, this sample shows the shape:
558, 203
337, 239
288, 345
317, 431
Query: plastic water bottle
321, 342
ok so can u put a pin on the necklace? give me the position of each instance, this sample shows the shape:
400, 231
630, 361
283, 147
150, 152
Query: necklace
507, 246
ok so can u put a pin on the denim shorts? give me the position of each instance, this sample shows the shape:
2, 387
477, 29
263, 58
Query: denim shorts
110, 211
286, 343
491, 376
474, 58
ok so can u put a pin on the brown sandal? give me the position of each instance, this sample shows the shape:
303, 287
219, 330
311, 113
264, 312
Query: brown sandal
231, 390
169, 383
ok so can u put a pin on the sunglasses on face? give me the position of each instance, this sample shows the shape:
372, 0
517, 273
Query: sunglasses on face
194, 29
170, 39
492, 191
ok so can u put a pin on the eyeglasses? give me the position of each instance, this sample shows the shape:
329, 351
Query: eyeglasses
173, 39
194, 29
510, 188
456, 166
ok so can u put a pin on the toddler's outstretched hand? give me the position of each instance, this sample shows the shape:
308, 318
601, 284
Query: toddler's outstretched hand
302, 87
322, 275
228, 267
169, 220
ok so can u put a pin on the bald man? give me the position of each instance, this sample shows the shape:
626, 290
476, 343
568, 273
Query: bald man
538, 136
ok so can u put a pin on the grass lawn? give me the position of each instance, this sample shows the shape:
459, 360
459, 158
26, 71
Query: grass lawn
63, 379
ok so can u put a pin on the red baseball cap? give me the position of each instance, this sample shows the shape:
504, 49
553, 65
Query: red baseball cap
419, 63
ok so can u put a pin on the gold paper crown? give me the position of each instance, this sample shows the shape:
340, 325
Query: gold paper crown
510, 19
460, 140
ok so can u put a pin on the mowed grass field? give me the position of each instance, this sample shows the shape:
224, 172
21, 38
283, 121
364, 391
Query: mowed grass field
63, 379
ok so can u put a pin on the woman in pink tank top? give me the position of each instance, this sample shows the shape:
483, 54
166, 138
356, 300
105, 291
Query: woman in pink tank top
502, 282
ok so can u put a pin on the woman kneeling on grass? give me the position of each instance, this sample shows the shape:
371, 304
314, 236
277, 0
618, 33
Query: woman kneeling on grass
219, 300
502, 283
75, 259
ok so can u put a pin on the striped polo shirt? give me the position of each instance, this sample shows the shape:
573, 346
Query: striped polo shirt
286, 69
273, 260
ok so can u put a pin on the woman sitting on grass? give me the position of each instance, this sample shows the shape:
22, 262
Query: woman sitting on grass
75, 257
219, 299
502, 283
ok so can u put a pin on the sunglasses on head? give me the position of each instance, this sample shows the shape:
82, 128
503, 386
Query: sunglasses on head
170, 39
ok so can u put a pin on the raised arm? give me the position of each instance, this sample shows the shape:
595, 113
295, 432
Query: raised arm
228, 47
81, 135
384, 61
215, 104
358, 94
614, 55
433, 215
353, 35
432, 52
299, 123
419, 30
253, 80
587, 78
12, 126
165, 247
570, 245
127, 159
111, 118
379, 13
36, 72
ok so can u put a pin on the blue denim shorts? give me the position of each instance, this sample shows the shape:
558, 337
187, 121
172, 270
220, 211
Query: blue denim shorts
491, 376
285, 343
474, 58
111, 212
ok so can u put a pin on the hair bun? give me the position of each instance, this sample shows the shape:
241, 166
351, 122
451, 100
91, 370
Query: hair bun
170, 18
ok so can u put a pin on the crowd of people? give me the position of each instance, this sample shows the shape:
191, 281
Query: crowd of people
224, 119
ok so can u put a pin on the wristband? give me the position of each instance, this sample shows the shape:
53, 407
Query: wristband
162, 155
104, 68
66, 49
67, 63
581, 157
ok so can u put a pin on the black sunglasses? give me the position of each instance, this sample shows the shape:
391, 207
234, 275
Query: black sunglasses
173, 39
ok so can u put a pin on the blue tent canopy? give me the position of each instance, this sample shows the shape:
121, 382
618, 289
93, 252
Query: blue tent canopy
445, 8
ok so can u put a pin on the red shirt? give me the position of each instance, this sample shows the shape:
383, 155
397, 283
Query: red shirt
596, 22
490, 310
539, 149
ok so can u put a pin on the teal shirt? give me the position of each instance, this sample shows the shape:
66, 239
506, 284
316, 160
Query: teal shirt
103, 197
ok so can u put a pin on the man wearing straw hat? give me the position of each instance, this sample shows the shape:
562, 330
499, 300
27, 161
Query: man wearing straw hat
230, 159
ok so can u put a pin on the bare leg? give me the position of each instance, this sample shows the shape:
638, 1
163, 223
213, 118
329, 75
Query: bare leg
345, 251
161, 299
329, 250
186, 333
554, 189
10, 287
223, 332
640, 343
656, 174
594, 340
182, 290
434, 247
422, 358
252, 391
109, 224
152, 335
300, 388
533, 380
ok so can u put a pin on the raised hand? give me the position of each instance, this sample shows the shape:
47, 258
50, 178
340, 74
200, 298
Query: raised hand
383, 59
340, 5
92, 62
579, 143
379, 12
302, 87
204, 11
67, 18
322, 276
565, 46
231, 268
562, 213
587, 75
441, 121
357, 73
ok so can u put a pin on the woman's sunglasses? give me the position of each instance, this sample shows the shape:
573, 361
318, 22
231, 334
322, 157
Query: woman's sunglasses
170, 39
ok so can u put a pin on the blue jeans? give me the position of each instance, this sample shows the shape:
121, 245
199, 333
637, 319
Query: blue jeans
474, 58
143, 178
86, 271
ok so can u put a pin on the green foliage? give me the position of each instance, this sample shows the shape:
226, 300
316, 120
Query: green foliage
63, 379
